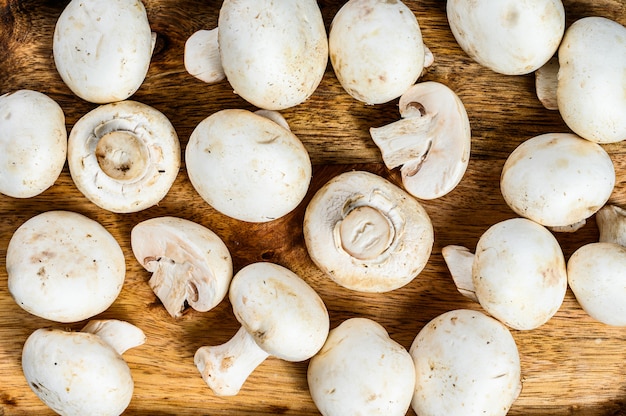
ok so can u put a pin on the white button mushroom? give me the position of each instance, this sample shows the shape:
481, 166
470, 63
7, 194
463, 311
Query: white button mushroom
280, 315
82, 373
431, 142
510, 37
247, 166
190, 264
517, 274
361, 370
557, 179
102, 48
34, 142
124, 156
466, 363
64, 266
591, 81
376, 49
366, 233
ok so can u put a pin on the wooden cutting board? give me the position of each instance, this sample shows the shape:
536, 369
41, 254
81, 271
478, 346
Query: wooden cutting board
571, 365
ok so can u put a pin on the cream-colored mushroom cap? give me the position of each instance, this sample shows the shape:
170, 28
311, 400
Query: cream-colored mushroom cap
64, 267
591, 81
466, 363
557, 179
376, 49
124, 156
34, 142
190, 264
511, 37
366, 233
361, 370
102, 48
247, 166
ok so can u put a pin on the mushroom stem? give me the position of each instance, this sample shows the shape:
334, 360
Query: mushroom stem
120, 335
202, 58
459, 260
546, 81
365, 232
611, 221
226, 367
172, 283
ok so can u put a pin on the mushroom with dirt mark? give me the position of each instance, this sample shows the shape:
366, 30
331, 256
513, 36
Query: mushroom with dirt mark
124, 156
510, 37
517, 273
82, 373
361, 370
102, 48
466, 363
190, 264
366, 233
64, 266
248, 166
431, 142
34, 142
280, 316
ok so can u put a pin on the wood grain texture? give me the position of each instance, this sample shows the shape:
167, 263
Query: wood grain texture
571, 366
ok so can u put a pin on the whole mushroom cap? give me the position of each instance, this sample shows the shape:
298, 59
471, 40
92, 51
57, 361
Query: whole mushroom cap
64, 267
34, 142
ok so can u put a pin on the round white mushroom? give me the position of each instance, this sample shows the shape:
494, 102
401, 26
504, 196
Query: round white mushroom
366, 233
64, 267
34, 142
466, 363
511, 37
102, 48
361, 370
280, 315
376, 49
190, 264
247, 166
82, 373
124, 156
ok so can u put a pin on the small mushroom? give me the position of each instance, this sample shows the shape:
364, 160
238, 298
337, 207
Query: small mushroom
102, 48
431, 142
517, 274
124, 156
64, 267
248, 166
376, 49
507, 36
190, 264
34, 143
557, 179
466, 363
366, 233
82, 373
361, 370
611, 222
280, 316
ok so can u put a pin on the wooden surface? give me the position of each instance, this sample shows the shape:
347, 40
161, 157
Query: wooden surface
571, 365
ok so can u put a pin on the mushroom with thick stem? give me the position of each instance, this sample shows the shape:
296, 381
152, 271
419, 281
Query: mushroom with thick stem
517, 273
361, 370
431, 142
64, 266
34, 142
366, 233
82, 373
190, 264
280, 316
124, 156
466, 363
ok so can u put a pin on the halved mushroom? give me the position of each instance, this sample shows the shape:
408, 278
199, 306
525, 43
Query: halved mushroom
190, 264
82, 373
431, 142
280, 315
64, 267
34, 142
517, 274
366, 233
124, 156
248, 166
